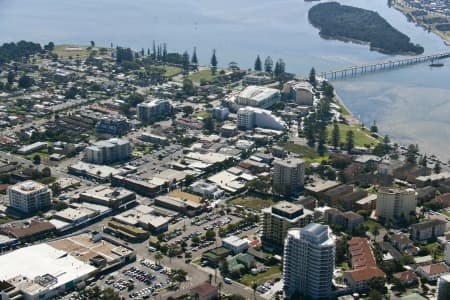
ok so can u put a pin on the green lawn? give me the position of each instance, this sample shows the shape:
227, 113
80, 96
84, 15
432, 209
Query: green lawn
362, 135
204, 74
372, 225
171, 71
343, 110
5, 220
252, 202
307, 153
82, 52
202, 114
260, 278
344, 266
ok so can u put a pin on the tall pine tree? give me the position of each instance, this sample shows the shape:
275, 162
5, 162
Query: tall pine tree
312, 77
258, 64
164, 52
186, 63
154, 50
335, 136
214, 62
194, 59
268, 64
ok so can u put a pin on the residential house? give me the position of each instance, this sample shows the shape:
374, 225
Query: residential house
205, 291
407, 277
433, 271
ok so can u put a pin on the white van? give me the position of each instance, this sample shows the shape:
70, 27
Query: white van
227, 280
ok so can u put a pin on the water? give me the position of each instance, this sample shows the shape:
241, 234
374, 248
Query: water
408, 104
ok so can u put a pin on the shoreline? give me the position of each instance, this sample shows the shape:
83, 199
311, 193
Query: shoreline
445, 39
365, 43
350, 117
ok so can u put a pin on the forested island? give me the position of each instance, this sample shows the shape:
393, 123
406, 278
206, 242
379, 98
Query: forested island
358, 25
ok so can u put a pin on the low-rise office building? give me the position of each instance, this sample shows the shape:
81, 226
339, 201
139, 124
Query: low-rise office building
235, 244
46, 270
32, 148
111, 197
143, 216
206, 189
179, 205
154, 139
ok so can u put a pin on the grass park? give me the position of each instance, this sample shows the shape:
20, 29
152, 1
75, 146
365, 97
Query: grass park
307, 153
81, 52
206, 74
202, 114
270, 274
362, 136
252, 202
171, 71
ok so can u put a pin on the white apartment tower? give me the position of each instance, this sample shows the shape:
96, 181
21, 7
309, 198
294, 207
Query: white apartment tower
309, 261
108, 151
149, 112
288, 175
29, 196
393, 203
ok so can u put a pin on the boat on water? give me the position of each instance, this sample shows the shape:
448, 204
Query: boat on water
436, 63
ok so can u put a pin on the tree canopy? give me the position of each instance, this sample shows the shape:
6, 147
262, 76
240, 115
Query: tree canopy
352, 23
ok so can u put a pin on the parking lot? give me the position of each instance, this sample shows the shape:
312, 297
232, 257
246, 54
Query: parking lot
142, 279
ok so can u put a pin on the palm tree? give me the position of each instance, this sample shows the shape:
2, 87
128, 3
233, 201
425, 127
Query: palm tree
158, 257
254, 286
219, 287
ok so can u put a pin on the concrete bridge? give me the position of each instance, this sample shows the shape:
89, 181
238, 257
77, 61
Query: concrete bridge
380, 66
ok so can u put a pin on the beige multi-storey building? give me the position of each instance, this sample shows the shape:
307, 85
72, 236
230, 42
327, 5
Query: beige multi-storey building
108, 151
154, 110
394, 203
288, 175
278, 219
29, 196
250, 117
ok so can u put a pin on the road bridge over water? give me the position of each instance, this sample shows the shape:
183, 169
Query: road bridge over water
362, 69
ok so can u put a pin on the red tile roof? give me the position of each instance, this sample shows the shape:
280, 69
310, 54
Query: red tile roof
204, 289
363, 261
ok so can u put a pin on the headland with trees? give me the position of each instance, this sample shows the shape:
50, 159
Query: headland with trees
358, 25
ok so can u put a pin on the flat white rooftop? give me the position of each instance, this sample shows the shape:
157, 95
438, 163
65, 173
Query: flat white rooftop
43, 259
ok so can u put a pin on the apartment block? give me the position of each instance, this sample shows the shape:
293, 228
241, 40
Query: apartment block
108, 151
288, 176
309, 262
394, 203
29, 197
278, 219
154, 110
